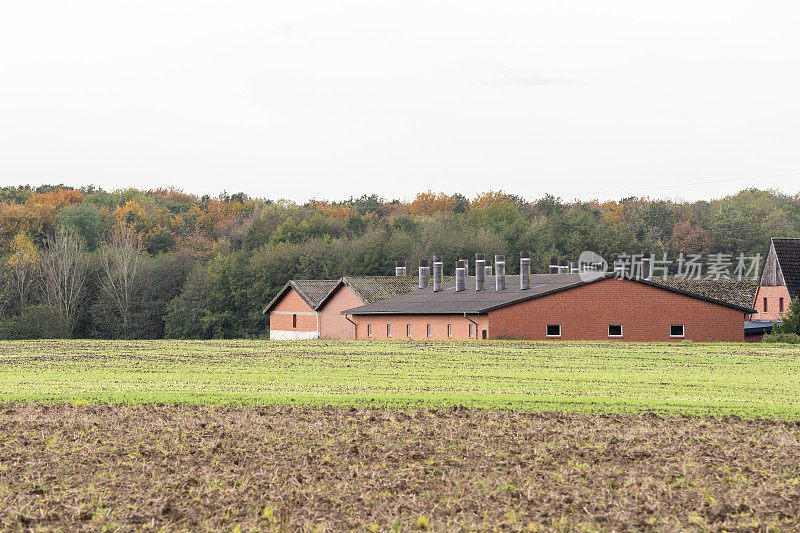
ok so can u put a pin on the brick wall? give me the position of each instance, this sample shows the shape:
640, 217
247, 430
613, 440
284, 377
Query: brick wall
773, 294
280, 317
645, 313
332, 324
419, 324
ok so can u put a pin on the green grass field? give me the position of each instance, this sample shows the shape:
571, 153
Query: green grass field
750, 380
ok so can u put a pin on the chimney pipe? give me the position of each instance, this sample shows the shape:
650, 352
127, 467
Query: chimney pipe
480, 272
424, 273
500, 272
461, 275
646, 266
400, 268
553, 269
524, 270
487, 271
465, 264
437, 273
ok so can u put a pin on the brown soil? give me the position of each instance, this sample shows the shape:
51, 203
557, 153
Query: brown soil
207, 468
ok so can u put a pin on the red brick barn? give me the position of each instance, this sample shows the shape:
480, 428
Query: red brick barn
589, 306
311, 309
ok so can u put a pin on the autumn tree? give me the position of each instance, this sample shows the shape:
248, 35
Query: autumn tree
23, 266
429, 203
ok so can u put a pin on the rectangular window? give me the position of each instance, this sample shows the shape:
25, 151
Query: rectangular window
294, 321
472, 331
615, 330
765, 305
369, 330
408, 330
388, 331
429, 331
553, 330
780, 305
676, 330
484, 334
450, 331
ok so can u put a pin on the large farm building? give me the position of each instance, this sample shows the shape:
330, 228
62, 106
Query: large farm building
561, 304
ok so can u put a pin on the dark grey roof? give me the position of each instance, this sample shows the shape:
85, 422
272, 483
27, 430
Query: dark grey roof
312, 291
470, 301
425, 301
741, 292
788, 252
754, 327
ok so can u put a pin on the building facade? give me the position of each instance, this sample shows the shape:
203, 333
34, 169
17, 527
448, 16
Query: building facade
312, 309
780, 280
605, 309
559, 306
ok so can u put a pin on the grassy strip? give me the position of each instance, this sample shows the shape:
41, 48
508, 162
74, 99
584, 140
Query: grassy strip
748, 380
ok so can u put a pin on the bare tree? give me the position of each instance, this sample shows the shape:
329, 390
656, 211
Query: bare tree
64, 267
122, 261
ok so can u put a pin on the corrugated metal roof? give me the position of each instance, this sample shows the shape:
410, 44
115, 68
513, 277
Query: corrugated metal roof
741, 292
788, 252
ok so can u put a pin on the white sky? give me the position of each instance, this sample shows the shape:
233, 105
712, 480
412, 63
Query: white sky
298, 99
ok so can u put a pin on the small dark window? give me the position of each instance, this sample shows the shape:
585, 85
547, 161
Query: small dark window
294, 321
676, 330
765, 305
553, 330
615, 330
450, 331
484, 334
369, 330
408, 330
780, 305
429, 331
388, 331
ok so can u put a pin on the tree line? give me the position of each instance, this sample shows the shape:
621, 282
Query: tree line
84, 262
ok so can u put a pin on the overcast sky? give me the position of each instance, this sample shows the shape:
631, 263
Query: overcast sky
333, 99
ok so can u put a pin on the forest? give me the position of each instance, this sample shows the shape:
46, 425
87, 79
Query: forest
88, 263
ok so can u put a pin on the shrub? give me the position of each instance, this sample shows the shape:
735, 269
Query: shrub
790, 323
789, 338
38, 322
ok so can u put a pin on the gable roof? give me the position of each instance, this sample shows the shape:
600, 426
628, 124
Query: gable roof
369, 289
741, 292
312, 291
448, 301
787, 252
